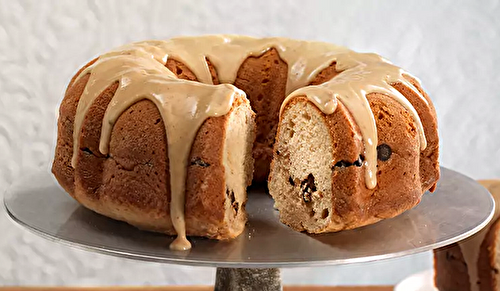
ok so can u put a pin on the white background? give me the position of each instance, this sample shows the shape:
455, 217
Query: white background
452, 46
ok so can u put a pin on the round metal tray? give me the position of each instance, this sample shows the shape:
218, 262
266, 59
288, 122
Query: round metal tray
459, 208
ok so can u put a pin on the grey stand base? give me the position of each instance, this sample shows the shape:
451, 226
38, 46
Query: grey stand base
243, 279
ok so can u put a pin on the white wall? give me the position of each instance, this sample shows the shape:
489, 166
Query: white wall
452, 46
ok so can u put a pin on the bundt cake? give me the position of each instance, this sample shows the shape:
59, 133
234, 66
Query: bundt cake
474, 263
163, 135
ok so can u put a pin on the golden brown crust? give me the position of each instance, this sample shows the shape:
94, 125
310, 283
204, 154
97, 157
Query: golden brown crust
72, 81
429, 163
132, 182
326, 74
180, 70
135, 179
398, 185
451, 270
89, 171
62, 169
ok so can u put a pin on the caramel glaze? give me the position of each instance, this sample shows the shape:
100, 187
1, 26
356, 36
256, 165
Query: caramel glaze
184, 105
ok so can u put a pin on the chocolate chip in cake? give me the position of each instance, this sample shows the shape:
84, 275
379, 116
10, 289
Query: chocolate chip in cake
199, 162
358, 162
384, 152
342, 164
306, 196
308, 187
345, 164
290, 180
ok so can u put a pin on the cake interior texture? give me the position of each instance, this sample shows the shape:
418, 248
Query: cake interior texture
297, 187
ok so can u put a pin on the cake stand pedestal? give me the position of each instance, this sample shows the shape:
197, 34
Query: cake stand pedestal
458, 208
246, 279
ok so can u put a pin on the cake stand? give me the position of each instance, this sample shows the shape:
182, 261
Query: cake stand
459, 208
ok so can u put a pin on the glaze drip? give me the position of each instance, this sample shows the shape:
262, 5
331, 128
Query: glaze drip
140, 70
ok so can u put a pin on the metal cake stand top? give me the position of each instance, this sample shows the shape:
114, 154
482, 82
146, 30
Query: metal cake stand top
459, 208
